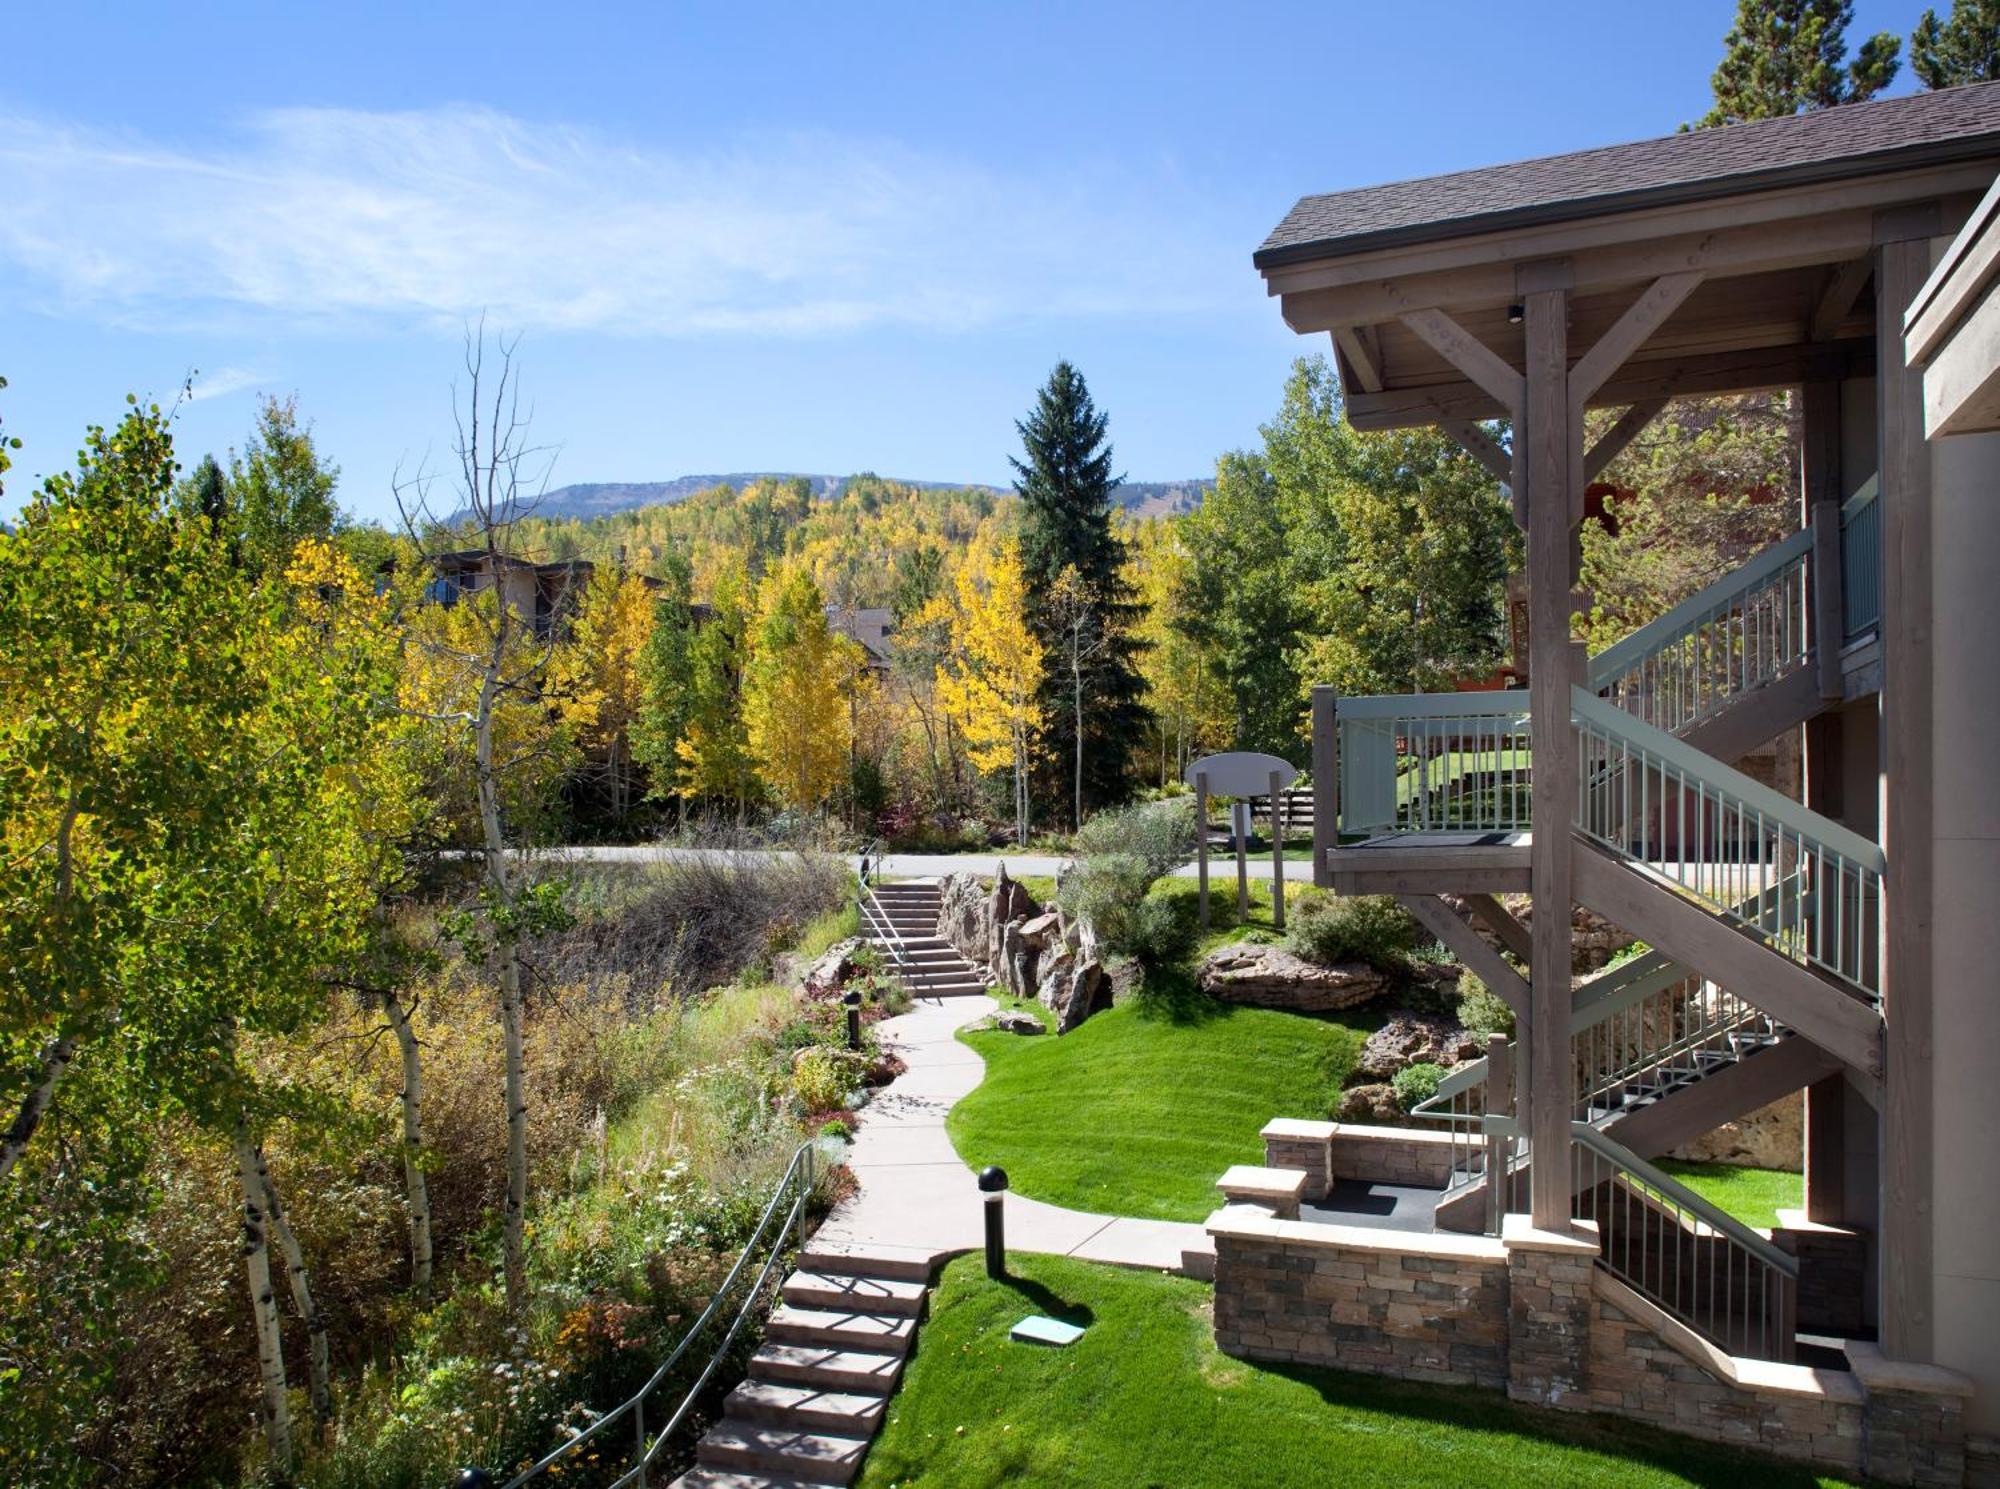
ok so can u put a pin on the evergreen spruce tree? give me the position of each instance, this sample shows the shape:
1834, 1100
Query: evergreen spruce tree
1065, 484
1785, 57
1964, 49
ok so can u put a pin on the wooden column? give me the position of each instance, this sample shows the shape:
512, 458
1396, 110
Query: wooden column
1278, 815
1326, 781
1821, 510
1907, 815
1554, 453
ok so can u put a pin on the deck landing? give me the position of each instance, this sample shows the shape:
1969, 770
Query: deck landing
1432, 863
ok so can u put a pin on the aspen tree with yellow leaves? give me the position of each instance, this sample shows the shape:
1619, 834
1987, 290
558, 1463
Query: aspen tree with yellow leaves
598, 681
795, 691
990, 686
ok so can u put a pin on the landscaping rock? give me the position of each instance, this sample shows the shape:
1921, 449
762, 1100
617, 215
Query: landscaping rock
1593, 939
1012, 1021
1087, 986
1770, 1137
827, 975
1415, 1039
1272, 977
974, 918
1372, 1105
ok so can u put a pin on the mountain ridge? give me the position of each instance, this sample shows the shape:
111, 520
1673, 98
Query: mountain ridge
584, 500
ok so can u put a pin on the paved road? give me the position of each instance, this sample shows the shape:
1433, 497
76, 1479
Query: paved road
1221, 867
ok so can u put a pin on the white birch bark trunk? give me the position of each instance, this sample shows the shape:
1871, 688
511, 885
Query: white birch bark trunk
415, 1186
300, 1278
514, 1219
56, 1057
277, 1413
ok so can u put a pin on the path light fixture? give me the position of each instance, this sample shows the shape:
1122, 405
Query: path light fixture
472, 1478
851, 999
993, 1184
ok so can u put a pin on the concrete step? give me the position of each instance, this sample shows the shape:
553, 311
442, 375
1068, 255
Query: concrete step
830, 1369
782, 1404
883, 1333
840, 1293
726, 1478
820, 1457
837, 1261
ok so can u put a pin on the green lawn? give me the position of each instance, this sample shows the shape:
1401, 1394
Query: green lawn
1140, 1110
1753, 1195
1144, 1399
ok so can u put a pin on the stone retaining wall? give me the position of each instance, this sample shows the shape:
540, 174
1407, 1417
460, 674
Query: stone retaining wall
1531, 1313
1330, 1151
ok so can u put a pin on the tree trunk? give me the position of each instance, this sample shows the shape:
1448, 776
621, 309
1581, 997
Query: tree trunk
500, 877
277, 1412
56, 1055
1076, 677
415, 1185
302, 1293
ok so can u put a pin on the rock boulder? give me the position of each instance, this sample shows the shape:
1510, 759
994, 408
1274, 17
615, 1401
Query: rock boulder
1416, 1039
1272, 977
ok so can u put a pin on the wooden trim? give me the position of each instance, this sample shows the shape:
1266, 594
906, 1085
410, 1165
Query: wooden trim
1832, 1018
1826, 625
1611, 444
1908, 818
1484, 448
1960, 278
1645, 315
1492, 968
1843, 288
1471, 356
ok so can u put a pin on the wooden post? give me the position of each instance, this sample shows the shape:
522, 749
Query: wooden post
1201, 840
1325, 768
1499, 1103
1277, 853
1826, 1151
1908, 809
1554, 455
1239, 822
1822, 510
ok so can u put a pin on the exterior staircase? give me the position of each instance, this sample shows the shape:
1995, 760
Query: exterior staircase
818, 1388
902, 920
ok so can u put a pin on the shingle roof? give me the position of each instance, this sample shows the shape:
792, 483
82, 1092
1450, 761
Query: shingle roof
1857, 139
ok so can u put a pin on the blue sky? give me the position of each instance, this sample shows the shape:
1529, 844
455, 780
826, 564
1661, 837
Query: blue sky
826, 238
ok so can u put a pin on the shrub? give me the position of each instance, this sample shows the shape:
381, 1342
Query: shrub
836, 1128
1368, 928
1120, 854
1164, 930
820, 1079
1480, 1009
1415, 1083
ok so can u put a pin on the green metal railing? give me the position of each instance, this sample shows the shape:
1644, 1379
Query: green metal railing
1861, 563
1743, 632
1434, 762
649, 1445
1724, 839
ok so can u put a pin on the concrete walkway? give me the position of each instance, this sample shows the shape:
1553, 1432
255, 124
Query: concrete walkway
919, 1201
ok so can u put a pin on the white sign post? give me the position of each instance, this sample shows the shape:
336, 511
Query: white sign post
1242, 774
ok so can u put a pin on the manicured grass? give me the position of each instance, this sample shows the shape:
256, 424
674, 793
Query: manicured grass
1140, 1110
1144, 1399
1753, 1195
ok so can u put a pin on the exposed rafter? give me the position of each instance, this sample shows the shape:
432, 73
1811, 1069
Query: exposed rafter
1483, 366
1843, 288
1645, 315
1358, 345
1611, 444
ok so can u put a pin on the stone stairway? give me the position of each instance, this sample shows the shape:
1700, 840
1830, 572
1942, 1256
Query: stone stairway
931, 967
818, 1388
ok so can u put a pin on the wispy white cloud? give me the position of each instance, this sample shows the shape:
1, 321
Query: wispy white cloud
206, 386
332, 215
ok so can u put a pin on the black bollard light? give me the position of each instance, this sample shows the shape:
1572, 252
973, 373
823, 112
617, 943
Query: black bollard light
473, 1478
993, 1184
853, 1001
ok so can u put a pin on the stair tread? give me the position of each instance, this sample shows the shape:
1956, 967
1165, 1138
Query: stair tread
781, 1360
837, 1260
869, 1294
881, 1331
769, 1445
706, 1476
817, 1408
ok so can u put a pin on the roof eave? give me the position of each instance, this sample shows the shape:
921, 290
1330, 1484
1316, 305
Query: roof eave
1577, 209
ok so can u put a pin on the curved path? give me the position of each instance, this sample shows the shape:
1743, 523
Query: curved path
918, 1199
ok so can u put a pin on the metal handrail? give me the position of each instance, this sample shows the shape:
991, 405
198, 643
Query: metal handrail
800, 1169
1428, 762
882, 930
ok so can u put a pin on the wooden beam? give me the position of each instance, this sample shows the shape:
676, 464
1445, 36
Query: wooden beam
1611, 444
1826, 1150
1493, 915
1484, 448
1908, 816
1829, 1016
1638, 381
1326, 781
1480, 363
1357, 344
1843, 288
1660, 300
1752, 1082
1553, 440
1826, 626
1759, 716
1438, 918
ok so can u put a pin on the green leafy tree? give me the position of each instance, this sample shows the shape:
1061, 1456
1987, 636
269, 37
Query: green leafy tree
666, 678
281, 490
1243, 600
1963, 49
1065, 484
714, 745
1785, 57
